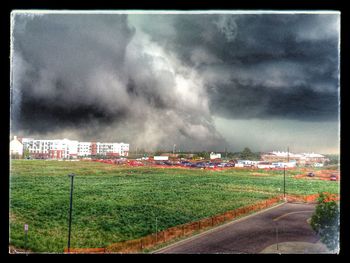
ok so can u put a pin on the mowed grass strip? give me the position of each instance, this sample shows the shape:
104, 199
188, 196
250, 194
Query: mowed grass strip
115, 203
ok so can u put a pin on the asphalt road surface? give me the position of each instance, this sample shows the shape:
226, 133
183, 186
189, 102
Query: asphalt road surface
284, 223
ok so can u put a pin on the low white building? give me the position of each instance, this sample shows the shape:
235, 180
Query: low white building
215, 155
264, 165
284, 164
246, 163
300, 158
161, 158
16, 147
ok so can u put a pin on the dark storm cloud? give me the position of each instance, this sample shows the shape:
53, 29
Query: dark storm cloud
262, 66
299, 103
99, 77
160, 79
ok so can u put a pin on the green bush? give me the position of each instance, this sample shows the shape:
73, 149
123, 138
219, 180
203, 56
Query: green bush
325, 221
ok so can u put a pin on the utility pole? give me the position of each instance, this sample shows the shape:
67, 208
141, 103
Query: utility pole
70, 208
288, 154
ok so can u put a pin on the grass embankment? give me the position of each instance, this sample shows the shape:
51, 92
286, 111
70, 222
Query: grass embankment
113, 203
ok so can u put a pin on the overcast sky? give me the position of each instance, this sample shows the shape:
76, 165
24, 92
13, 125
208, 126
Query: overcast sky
200, 81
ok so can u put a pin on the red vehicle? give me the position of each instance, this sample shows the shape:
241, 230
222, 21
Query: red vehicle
333, 177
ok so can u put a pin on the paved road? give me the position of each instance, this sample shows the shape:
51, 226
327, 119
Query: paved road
253, 234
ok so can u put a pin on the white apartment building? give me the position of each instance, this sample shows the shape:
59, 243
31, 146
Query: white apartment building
53, 149
68, 149
114, 149
84, 148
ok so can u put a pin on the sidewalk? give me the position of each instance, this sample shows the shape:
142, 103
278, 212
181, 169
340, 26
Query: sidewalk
297, 248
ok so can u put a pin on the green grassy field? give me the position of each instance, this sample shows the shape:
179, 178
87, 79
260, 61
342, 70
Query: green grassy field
114, 203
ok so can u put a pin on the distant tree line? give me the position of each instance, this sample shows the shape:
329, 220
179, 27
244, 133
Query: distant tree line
333, 159
247, 154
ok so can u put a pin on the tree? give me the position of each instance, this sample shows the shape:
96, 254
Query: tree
246, 154
333, 159
325, 220
204, 155
26, 154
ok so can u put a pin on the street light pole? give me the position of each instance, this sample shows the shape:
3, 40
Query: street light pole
26, 237
70, 208
284, 181
277, 235
156, 231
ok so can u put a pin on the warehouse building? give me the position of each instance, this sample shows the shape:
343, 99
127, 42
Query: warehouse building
300, 159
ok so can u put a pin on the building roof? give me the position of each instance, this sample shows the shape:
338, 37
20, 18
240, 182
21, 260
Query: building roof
295, 155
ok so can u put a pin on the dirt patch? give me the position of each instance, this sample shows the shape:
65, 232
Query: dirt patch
319, 175
260, 174
12, 217
15, 250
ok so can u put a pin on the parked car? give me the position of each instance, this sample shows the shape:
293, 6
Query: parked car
185, 163
311, 174
193, 165
212, 165
200, 165
333, 177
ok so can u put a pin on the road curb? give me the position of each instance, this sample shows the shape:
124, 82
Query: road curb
217, 228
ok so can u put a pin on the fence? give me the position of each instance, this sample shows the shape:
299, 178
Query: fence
302, 198
85, 250
155, 239
187, 229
